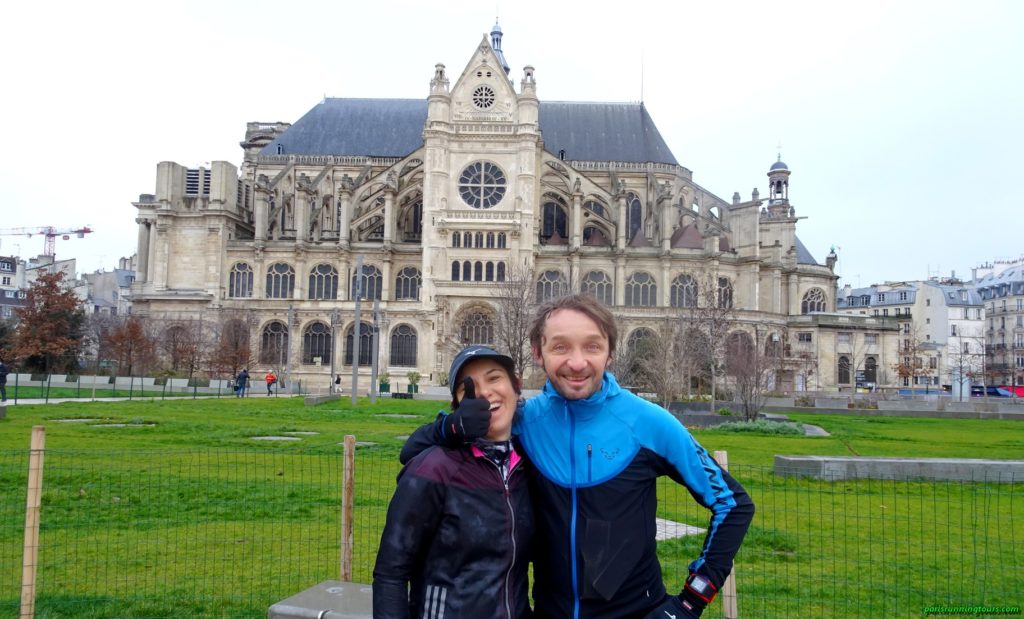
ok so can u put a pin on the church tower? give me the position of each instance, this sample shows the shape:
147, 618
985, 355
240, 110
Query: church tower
778, 189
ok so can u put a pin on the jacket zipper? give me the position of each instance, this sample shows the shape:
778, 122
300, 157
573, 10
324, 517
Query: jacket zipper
512, 515
590, 463
572, 533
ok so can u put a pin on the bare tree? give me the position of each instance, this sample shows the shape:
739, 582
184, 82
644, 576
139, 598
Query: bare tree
966, 362
659, 362
917, 359
232, 348
98, 328
130, 345
753, 365
184, 344
706, 325
515, 301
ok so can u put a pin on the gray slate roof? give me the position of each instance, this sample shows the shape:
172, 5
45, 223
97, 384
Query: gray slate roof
394, 128
803, 256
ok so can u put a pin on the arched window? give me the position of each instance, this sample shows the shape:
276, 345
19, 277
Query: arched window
598, 285
501, 240
478, 271
403, 346
365, 344
724, 292
739, 354
280, 281
456, 239
594, 207
870, 370
551, 285
477, 328
479, 240
323, 282
489, 271
684, 291
636, 341
316, 344
274, 345
413, 224
455, 271
553, 217
641, 290
467, 271
814, 301
844, 370
501, 272
634, 214
490, 240
641, 347
240, 281
371, 283
407, 282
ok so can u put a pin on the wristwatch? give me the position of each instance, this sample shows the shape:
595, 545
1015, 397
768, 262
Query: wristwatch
701, 587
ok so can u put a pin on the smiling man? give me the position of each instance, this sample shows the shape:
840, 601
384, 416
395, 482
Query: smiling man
597, 452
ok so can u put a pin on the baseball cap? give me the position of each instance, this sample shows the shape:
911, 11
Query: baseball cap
472, 353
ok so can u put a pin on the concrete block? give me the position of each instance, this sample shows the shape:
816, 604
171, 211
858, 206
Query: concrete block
331, 599
219, 383
177, 383
837, 468
313, 400
95, 380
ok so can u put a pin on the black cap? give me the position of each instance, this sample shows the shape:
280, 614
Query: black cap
472, 353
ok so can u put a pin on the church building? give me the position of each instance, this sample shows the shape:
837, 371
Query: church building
444, 198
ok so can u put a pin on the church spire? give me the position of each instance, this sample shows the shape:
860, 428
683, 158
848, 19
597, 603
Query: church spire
496, 44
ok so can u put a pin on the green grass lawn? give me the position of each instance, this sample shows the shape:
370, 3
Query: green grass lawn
182, 513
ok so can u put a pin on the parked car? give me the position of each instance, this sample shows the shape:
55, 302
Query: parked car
990, 391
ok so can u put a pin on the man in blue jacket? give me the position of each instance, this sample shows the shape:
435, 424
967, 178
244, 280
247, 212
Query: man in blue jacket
597, 451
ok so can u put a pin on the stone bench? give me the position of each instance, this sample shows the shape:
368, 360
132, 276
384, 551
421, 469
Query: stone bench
839, 468
331, 599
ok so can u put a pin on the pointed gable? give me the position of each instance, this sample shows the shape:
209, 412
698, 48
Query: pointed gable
687, 237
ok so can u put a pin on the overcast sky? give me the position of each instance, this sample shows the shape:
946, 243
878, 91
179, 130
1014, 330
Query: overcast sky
902, 122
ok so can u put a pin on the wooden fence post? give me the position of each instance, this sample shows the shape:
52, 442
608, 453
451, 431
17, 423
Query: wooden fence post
30, 556
729, 602
347, 494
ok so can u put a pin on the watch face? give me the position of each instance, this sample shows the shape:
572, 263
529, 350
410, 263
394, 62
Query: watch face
700, 584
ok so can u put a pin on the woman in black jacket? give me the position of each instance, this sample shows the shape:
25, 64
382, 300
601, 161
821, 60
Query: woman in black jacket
460, 522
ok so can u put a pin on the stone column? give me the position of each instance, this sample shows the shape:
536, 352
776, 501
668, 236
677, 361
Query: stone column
574, 273
261, 211
576, 234
620, 280
620, 236
345, 221
142, 275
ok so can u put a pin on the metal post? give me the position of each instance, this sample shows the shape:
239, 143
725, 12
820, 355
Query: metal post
374, 350
287, 351
356, 329
334, 349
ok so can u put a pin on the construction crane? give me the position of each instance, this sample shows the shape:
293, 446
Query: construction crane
50, 233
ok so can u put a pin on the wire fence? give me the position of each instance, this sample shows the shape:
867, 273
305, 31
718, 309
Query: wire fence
223, 533
54, 387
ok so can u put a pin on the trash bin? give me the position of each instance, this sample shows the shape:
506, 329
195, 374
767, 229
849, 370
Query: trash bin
331, 599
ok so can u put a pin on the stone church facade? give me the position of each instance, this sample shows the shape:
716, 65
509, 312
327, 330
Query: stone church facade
445, 198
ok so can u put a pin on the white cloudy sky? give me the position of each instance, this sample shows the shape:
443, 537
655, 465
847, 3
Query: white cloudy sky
901, 120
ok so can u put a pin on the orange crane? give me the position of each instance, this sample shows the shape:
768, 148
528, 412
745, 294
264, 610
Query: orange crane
50, 233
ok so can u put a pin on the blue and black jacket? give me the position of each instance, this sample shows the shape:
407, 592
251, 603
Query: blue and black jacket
595, 467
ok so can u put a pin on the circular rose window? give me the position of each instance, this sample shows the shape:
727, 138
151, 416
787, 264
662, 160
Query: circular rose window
482, 184
483, 97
